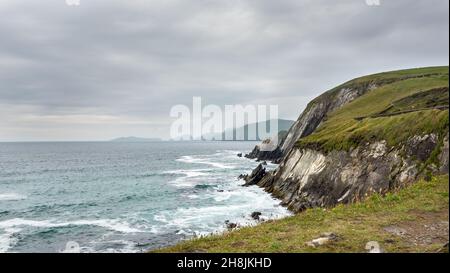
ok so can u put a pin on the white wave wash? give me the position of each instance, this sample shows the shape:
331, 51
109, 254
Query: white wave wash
7, 240
186, 175
12, 197
13, 226
115, 225
232, 202
192, 159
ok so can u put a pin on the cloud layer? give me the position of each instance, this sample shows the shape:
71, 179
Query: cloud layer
115, 68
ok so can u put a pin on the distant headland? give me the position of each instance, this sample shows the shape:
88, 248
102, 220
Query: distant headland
133, 139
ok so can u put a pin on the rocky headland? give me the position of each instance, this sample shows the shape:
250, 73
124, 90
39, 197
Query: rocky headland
370, 135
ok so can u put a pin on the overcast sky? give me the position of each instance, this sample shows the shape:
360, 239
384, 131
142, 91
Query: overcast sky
114, 68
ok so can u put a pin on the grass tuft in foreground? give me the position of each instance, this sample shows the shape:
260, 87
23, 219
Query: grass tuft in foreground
414, 219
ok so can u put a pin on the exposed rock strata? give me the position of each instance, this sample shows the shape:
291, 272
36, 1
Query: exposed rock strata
312, 117
308, 178
255, 176
318, 109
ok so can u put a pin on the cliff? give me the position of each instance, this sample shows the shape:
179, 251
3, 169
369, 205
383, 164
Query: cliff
370, 135
318, 109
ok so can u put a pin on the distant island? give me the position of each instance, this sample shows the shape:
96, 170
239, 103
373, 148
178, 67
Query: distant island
243, 131
283, 126
133, 139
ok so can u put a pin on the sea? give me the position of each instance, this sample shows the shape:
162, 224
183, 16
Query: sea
124, 197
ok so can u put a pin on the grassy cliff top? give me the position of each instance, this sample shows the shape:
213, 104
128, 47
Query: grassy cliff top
409, 220
411, 102
382, 79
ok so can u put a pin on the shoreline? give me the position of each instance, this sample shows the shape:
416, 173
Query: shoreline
393, 221
257, 217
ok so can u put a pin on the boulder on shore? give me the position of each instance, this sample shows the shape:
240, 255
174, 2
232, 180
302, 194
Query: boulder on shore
230, 225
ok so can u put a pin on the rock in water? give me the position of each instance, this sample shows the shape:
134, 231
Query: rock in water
243, 176
255, 176
256, 215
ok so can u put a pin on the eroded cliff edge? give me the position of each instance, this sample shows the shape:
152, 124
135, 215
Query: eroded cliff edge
373, 134
309, 178
319, 108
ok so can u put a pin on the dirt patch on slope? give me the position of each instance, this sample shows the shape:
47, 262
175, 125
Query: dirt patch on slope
428, 228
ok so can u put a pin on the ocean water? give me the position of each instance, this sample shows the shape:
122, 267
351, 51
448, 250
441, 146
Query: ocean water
123, 197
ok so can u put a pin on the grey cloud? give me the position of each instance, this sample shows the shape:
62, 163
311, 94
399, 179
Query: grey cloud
135, 59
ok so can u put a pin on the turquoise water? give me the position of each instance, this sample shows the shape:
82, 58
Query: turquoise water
123, 197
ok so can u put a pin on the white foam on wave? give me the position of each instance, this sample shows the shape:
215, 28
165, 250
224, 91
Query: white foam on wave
110, 224
7, 240
240, 204
189, 173
223, 196
126, 247
200, 160
193, 196
12, 226
184, 181
98, 246
232, 202
12, 197
229, 154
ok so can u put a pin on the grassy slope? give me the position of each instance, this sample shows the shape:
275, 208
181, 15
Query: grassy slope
342, 130
424, 203
422, 100
381, 79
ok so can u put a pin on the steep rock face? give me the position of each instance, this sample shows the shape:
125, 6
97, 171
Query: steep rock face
370, 135
274, 155
444, 156
308, 178
314, 114
317, 110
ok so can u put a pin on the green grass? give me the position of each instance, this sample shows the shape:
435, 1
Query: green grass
381, 79
394, 76
355, 224
343, 129
428, 99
